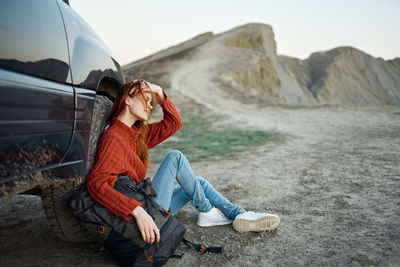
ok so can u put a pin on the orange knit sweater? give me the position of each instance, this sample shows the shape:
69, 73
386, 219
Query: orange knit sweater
117, 154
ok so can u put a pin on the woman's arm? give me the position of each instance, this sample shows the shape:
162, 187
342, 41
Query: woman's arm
101, 180
109, 163
171, 122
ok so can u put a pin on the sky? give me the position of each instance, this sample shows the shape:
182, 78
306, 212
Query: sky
134, 29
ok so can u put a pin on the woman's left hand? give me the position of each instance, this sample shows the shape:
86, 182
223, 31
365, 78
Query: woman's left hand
156, 89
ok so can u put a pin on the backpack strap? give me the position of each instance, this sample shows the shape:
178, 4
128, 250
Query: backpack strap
100, 234
201, 248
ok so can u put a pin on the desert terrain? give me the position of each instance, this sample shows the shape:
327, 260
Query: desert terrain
333, 177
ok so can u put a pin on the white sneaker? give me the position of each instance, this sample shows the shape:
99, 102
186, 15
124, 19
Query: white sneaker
212, 217
251, 221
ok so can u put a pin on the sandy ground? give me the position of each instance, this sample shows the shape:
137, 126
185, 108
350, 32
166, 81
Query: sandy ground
334, 180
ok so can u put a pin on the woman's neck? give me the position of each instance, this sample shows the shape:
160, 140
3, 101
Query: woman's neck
127, 118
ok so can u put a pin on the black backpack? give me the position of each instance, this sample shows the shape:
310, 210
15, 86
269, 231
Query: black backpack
122, 238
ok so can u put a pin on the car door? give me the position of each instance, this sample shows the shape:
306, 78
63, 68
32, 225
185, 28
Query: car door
36, 100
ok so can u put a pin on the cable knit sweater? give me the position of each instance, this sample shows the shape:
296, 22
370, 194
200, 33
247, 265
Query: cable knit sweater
116, 154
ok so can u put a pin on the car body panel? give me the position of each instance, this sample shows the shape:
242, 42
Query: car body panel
83, 116
51, 64
36, 119
91, 60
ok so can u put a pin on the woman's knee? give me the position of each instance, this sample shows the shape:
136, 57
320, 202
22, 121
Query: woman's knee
174, 154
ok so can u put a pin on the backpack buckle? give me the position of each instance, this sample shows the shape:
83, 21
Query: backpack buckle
100, 229
202, 249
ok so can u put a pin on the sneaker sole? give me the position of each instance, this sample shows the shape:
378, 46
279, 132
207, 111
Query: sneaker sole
266, 223
213, 224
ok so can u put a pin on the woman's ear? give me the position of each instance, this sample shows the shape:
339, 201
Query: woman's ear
128, 100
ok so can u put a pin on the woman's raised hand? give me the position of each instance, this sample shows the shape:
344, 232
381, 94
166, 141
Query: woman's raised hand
154, 88
146, 225
158, 90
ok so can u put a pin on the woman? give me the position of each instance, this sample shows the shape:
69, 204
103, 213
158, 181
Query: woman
123, 149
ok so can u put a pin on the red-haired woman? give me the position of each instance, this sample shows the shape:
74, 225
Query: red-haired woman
123, 149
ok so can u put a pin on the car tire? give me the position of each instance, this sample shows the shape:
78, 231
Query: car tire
101, 112
64, 225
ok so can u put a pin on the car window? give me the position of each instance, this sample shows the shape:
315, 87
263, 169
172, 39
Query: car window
33, 39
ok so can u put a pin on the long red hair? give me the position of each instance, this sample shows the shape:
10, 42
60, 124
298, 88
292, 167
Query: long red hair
119, 105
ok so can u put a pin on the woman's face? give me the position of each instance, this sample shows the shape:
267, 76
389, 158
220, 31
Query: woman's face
138, 108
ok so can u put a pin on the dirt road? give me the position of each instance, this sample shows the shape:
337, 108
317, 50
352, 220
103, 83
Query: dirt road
334, 180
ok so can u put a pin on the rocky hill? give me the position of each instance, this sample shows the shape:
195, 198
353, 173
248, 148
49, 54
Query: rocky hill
346, 75
242, 65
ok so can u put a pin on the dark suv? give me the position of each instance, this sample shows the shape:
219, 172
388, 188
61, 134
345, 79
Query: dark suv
56, 81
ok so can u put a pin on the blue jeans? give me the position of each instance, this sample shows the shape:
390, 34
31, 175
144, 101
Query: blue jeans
203, 196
